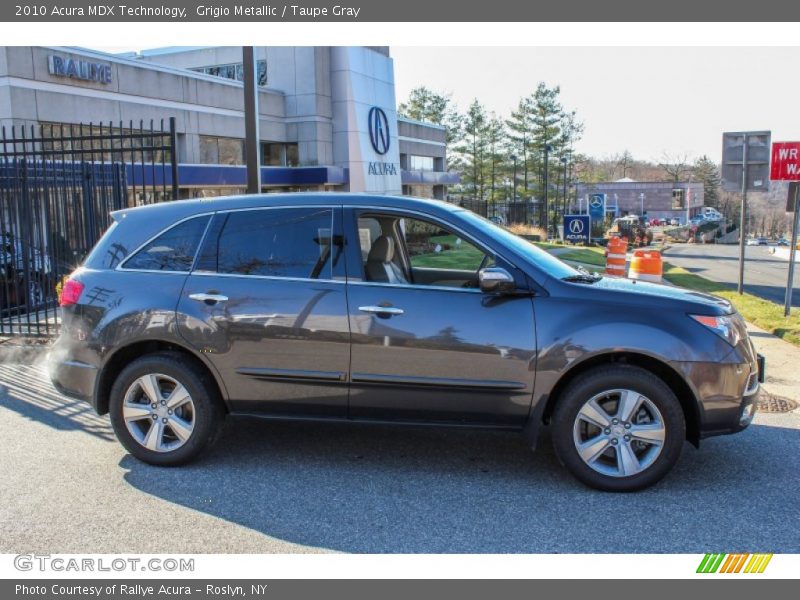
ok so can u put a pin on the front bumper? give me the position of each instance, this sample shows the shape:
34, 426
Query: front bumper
726, 393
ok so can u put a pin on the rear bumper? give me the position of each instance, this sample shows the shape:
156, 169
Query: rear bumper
73, 378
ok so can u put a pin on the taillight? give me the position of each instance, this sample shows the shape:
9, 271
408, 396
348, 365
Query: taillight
71, 292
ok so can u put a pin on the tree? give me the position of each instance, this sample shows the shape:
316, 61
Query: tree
625, 162
495, 134
520, 125
675, 166
547, 117
707, 171
428, 106
474, 148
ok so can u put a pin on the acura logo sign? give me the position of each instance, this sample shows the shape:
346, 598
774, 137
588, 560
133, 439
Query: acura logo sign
576, 226
378, 130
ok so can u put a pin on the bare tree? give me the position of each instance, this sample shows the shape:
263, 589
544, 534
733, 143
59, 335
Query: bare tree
677, 166
625, 162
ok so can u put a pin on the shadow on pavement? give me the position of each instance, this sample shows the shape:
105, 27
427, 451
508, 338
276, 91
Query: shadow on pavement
376, 489
27, 390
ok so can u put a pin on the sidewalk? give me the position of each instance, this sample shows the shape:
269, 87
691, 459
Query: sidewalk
783, 360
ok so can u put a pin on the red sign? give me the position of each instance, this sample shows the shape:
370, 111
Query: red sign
785, 161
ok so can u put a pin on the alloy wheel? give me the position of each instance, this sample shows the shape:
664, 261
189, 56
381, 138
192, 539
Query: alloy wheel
619, 433
159, 412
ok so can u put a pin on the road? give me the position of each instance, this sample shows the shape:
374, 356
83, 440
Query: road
764, 275
66, 486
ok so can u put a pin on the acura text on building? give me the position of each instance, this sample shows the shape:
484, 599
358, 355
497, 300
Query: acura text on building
79, 69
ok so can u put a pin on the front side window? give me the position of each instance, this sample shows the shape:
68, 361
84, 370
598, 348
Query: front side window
433, 255
173, 250
432, 247
276, 242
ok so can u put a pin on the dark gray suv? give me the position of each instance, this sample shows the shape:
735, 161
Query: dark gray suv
390, 309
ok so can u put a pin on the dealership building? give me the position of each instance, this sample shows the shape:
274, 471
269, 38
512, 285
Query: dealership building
652, 199
327, 115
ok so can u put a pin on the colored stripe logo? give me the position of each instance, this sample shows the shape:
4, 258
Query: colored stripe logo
734, 563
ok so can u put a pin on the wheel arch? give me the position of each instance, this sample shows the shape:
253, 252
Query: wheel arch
679, 386
121, 357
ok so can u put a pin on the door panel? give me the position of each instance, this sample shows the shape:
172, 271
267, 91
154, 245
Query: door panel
267, 305
281, 346
440, 351
450, 356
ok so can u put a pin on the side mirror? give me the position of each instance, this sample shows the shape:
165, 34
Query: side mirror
494, 280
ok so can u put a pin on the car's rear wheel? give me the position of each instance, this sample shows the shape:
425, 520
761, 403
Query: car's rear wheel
165, 409
618, 428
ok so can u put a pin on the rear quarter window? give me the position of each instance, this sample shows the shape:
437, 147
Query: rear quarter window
173, 250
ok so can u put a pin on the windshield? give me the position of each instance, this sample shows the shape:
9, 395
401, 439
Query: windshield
541, 259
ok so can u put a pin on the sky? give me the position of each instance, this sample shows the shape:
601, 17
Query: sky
647, 100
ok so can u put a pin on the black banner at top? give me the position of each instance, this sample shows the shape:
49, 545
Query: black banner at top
404, 10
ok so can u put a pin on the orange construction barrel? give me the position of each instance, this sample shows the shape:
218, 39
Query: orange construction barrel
646, 265
615, 256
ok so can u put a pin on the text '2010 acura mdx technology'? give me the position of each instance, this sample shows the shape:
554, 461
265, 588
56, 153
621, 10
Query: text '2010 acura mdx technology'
390, 309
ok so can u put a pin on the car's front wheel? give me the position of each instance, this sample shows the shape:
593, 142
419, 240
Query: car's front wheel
618, 428
165, 409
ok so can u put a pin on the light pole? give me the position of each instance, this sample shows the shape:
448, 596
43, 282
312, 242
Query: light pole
514, 188
641, 199
564, 161
545, 220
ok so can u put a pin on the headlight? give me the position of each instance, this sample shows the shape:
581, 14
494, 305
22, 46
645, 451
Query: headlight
727, 327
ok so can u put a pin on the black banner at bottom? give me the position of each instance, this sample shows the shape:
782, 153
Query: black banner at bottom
402, 589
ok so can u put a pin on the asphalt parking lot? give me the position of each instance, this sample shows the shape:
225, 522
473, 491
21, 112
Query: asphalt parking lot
67, 486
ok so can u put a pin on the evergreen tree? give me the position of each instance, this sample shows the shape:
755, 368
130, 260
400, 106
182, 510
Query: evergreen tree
474, 149
547, 118
707, 171
495, 136
520, 127
428, 106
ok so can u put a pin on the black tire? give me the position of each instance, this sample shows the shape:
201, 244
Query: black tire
208, 411
597, 381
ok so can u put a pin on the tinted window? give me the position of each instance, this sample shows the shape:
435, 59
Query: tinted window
173, 250
278, 242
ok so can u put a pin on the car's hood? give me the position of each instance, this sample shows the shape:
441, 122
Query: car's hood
661, 295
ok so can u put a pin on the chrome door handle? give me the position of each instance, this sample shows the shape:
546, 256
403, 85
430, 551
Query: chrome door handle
382, 310
208, 298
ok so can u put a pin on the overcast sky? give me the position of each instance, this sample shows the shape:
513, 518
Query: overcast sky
646, 100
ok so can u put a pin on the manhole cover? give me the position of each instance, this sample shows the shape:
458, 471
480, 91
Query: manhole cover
775, 404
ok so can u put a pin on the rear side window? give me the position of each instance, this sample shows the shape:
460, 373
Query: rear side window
173, 250
275, 242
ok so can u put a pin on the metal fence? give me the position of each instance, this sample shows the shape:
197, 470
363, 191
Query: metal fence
528, 211
58, 184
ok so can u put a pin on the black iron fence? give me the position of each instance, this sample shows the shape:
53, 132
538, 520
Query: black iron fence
521, 211
58, 184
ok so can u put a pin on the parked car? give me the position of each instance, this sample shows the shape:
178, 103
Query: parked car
675, 222
783, 242
387, 309
762, 241
26, 275
751, 242
711, 214
497, 219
